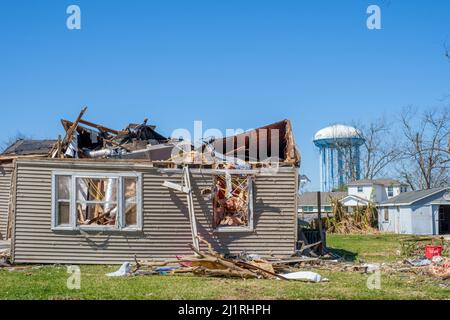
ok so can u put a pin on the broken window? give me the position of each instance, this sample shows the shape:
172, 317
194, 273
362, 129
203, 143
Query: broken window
232, 202
130, 201
96, 201
93, 201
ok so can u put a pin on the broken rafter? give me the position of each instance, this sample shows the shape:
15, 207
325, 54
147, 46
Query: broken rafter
252, 266
69, 134
117, 144
100, 127
230, 266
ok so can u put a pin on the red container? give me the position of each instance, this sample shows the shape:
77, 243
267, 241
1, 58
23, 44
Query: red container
432, 251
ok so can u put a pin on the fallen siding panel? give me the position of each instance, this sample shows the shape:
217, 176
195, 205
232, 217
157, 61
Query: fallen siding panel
166, 230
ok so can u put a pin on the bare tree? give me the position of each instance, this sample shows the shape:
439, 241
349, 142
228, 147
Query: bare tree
425, 154
379, 150
377, 153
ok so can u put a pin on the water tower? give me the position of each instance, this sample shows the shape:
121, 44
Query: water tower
339, 155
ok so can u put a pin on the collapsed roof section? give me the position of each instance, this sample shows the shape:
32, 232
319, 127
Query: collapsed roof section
268, 143
136, 141
85, 139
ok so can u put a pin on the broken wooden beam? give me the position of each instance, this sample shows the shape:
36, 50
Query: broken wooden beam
175, 186
100, 127
69, 133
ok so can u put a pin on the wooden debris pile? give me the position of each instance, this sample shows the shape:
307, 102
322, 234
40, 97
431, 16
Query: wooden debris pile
210, 263
85, 139
264, 147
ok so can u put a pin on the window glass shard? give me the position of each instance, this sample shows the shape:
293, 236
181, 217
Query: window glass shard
97, 201
63, 184
63, 217
97, 189
130, 185
96, 214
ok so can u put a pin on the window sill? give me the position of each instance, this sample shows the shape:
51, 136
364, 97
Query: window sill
233, 229
62, 229
98, 229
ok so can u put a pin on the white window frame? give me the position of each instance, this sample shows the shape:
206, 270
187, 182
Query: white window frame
120, 202
390, 191
249, 227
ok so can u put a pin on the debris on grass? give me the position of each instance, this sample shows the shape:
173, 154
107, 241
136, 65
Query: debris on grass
419, 262
253, 266
307, 276
210, 263
440, 268
124, 270
416, 246
5, 258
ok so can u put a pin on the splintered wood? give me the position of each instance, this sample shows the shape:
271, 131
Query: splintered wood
210, 263
231, 200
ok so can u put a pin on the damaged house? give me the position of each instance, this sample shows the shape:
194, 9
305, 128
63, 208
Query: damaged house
100, 195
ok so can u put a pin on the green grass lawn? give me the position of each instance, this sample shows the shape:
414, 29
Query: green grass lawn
49, 282
370, 248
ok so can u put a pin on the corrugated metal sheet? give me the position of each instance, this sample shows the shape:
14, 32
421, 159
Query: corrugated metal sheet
166, 229
5, 189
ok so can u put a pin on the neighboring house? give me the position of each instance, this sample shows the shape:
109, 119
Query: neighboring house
308, 208
361, 192
424, 212
109, 210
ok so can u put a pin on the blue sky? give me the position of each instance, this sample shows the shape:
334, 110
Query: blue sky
231, 64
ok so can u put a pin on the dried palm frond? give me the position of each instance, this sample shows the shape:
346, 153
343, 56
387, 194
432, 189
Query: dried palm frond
361, 220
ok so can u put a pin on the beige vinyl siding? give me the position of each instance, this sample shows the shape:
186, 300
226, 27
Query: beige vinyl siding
166, 229
6, 170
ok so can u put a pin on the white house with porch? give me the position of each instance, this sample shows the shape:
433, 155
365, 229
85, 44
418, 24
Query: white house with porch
360, 193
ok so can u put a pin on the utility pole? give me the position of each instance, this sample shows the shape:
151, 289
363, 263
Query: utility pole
319, 215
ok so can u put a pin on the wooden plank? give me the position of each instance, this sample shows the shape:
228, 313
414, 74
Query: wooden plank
69, 134
100, 127
192, 219
175, 186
